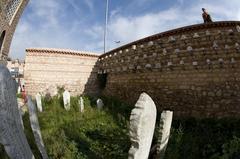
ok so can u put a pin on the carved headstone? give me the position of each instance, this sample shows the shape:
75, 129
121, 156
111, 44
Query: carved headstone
164, 133
100, 104
39, 102
12, 136
81, 104
36, 128
19, 90
142, 124
66, 100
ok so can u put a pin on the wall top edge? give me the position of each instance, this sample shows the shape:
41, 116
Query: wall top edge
61, 51
180, 30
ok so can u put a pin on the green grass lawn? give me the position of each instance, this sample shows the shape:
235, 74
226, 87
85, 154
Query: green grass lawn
94, 134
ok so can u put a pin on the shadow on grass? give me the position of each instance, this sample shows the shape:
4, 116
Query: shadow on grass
29, 134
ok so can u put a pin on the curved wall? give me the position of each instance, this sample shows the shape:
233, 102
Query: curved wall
192, 70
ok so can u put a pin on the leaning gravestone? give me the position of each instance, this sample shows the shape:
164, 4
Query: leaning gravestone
35, 127
66, 100
100, 104
39, 102
12, 136
142, 124
20, 115
164, 133
81, 104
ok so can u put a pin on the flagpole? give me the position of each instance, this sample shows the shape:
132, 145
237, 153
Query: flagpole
105, 28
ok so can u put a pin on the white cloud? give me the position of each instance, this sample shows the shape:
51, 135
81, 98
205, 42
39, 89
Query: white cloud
127, 29
89, 3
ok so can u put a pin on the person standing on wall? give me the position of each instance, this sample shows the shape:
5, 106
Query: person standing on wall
206, 17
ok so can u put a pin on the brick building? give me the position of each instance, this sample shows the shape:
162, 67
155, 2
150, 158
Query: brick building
47, 69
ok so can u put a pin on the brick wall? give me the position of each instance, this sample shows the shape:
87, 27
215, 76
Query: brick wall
47, 69
192, 70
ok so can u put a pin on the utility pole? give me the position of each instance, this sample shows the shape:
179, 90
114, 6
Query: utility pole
105, 28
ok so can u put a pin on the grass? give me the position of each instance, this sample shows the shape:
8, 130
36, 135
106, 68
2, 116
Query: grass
103, 134
204, 139
94, 134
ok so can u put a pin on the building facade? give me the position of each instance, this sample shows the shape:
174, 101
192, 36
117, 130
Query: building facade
16, 68
193, 70
46, 70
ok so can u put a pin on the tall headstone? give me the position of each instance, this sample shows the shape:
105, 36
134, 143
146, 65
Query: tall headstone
36, 128
66, 100
100, 104
12, 136
164, 133
39, 102
20, 115
19, 90
142, 124
81, 104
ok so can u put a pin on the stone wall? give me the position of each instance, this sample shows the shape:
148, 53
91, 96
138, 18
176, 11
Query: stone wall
10, 12
193, 70
47, 69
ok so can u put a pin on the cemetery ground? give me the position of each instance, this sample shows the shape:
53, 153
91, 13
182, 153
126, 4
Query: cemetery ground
103, 134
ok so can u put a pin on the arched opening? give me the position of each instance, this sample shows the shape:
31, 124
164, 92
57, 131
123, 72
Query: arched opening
2, 39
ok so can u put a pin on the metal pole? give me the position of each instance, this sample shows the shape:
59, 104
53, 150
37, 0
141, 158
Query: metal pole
105, 29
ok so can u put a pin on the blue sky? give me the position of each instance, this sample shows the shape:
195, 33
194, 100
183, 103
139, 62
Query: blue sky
78, 24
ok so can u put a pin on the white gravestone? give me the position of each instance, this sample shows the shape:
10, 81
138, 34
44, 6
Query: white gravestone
100, 104
66, 100
39, 102
12, 136
19, 90
20, 115
81, 104
36, 128
164, 132
142, 124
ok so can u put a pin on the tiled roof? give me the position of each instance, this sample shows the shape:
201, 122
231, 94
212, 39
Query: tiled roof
61, 51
